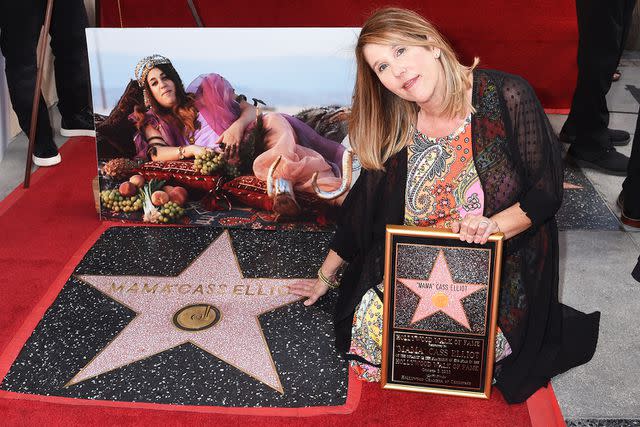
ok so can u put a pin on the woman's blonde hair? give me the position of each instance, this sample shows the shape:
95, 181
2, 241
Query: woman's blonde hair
381, 122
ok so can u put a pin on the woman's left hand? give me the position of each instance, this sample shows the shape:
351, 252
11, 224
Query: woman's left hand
313, 289
475, 228
232, 137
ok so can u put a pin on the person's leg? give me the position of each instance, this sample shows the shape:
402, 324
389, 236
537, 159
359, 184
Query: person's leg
636, 271
600, 26
69, 46
298, 163
631, 186
627, 15
21, 25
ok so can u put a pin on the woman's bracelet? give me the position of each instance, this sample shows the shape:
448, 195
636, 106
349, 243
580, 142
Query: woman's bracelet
331, 284
151, 138
181, 152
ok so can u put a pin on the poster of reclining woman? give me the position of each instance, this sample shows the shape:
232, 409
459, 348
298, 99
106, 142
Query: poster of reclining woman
223, 127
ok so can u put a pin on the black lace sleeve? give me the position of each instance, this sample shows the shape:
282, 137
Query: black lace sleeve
346, 239
538, 151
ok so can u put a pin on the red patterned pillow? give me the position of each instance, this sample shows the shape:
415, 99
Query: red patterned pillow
251, 191
180, 172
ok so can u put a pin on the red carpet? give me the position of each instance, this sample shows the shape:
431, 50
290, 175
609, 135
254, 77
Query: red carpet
43, 227
537, 39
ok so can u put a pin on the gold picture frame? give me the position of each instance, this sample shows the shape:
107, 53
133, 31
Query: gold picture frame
440, 312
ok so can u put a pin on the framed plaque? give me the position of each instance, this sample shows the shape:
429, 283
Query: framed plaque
440, 312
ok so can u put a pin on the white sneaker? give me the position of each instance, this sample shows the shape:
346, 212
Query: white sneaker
77, 132
79, 124
46, 161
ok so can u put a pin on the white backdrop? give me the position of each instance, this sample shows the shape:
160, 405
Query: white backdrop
288, 68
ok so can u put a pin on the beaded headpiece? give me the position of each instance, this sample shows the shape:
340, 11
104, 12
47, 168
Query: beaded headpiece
145, 65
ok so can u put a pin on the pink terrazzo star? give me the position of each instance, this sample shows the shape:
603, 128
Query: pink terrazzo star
439, 293
214, 278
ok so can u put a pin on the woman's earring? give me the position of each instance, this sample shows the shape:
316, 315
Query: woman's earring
437, 55
147, 103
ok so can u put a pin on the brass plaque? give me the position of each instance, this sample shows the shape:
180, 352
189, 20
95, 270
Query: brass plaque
440, 312
196, 317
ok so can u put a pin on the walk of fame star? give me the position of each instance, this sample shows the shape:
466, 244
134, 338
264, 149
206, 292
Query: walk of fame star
439, 293
209, 304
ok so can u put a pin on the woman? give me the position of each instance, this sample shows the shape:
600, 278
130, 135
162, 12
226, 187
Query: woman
471, 150
177, 124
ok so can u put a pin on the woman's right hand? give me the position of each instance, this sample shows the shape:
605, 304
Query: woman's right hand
232, 138
313, 289
191, 151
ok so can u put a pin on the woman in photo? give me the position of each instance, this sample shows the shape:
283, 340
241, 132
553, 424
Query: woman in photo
179, 124
465, 149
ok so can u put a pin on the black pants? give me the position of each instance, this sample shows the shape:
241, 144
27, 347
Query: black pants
631, 184
602, 26
21, 22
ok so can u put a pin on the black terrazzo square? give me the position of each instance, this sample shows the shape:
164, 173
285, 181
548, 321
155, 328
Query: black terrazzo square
614, 422
84, 320
582, 207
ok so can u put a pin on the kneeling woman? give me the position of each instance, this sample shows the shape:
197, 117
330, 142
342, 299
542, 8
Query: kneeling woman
177, 124
455, 147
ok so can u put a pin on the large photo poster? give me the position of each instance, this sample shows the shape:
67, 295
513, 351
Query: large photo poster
233, 127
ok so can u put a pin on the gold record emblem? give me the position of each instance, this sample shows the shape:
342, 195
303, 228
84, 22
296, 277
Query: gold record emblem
196, 317
440, 300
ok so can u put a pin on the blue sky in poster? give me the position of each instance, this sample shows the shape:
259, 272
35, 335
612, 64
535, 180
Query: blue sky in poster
289, 68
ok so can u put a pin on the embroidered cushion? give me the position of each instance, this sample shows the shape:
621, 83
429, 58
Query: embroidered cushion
180, 172
252, 192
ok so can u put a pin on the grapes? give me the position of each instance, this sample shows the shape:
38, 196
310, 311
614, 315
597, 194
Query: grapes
231, 170
112, 200
208, 162
170, 212
211, 162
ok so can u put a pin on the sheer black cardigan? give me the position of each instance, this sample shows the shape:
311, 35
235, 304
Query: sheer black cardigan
517, 156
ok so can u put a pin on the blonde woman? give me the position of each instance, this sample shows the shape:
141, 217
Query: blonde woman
447, 145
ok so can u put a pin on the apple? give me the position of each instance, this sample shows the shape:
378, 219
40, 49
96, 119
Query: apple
178, 195
127, 189
182, 190
159, 198
137, 180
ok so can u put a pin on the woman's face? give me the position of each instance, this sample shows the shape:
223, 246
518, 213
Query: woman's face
411, 72
162, 88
